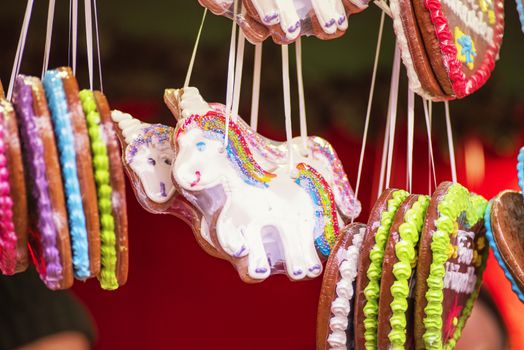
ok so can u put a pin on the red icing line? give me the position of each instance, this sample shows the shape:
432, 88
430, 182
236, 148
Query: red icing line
463, 86
7, 226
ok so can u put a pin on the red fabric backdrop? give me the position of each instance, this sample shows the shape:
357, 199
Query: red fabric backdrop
179, 297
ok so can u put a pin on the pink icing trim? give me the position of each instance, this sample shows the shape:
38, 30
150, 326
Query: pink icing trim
7, 226
463, 86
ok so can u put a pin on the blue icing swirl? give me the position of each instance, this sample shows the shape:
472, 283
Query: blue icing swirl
520, 9
520, 168
496, 252
66, 148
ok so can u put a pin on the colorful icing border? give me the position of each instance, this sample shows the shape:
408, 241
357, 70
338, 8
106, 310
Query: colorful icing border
52, 272
66, 148
374, 272
520, 169
8, 238
462, 85
456, 201
100, 154
496, 252
409, 232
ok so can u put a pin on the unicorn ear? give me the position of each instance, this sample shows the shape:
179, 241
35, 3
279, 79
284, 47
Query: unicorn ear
129, 127
186, 102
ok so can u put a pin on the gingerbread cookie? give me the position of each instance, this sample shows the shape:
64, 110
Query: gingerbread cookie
505, 232
463, 40
117, 181
49, 236
452, 257
13, 204
396, 301
147, 157
85, 171
370, 267
335, 306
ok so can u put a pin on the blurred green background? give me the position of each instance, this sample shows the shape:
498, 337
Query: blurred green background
146, 46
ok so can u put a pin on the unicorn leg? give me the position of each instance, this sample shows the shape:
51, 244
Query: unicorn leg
231, 239
293, 251
258, 264
289, 20
313, 263
327, 15
267, 11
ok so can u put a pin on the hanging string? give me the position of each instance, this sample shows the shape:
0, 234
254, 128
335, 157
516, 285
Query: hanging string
450, 144
89, 40
238, 75
287, 106
195, 49
20, 47
230, 73
382, 174
98, 47
393, 103
48, 36
74, 33
255, 98
411, 131
427, 117
301, 97
370, 102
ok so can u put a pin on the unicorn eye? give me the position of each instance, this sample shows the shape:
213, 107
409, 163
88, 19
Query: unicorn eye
167, 161
151, 161
201, 146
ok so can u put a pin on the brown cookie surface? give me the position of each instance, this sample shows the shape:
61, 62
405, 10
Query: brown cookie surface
17, 184
332, 288
452, 257
507, 220
54, 177
84, 164
386, 297
119, 189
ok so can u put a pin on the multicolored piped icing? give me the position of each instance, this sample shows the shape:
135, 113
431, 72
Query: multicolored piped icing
326, 227
457, 204
520, 169
60, 116
374, 272
520, 9
50, 269
99, 151
214, 126
8, 238
496, 252
405, 251
341, 305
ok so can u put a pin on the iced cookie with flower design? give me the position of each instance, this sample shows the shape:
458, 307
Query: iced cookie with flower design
452, 257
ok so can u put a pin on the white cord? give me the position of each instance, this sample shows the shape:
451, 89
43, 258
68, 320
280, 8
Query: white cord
20, 47
98, 47
230, 74
255, 98
74, 35
287, 105
238, 75
48, 36
384, 157
392, 109
89, 40
301, 97
450, 144
370, 102
411, 131
427, 117
195, 49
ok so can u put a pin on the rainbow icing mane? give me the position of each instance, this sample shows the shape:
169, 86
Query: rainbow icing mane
156, 134
213, 125
326, 227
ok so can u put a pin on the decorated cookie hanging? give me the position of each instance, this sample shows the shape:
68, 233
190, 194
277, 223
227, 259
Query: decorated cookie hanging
49, 233
504, 221
13, 208
336, 302
287, 20
448, 47
268, 234
370, 267
396, 299
452, 257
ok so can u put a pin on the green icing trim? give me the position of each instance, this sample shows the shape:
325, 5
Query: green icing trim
456, 201
409, 232
107, 276
376, 255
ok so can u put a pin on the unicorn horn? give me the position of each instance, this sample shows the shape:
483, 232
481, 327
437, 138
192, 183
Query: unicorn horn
172, 100
128, 126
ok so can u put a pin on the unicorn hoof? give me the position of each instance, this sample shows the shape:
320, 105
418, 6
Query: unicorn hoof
297, 273
314, 268
294, 28
241, 252
271, 19
261, 270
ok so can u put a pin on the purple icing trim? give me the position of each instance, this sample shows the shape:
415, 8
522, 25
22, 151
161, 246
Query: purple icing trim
34, 158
